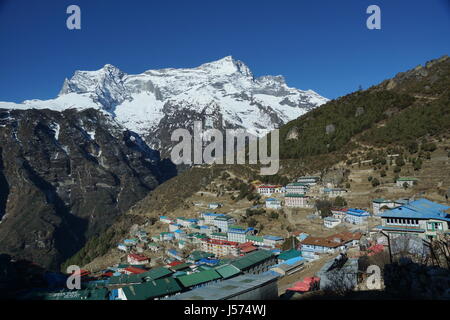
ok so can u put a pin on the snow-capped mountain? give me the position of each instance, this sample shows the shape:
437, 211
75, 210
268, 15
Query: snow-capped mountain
223, 94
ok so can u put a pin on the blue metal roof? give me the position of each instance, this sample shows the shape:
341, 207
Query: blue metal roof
272, 238
419, 209
357, 212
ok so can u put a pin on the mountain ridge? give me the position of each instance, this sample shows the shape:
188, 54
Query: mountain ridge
222, 94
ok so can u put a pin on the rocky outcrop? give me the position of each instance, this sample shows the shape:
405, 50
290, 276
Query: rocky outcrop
64, 177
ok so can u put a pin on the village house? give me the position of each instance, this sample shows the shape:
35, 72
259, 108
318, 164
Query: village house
238, 233
140, 247
197, 255
409, 181
288, 254
256, 240
175, 254
379, 205
130, 242
166, 236
339, 213
272, 241
134, 270
180, 234
174, 226
214, 205
246, 247
181, 244
196, 237
199, 279
422, 218
337, 242
255, 262
142, 236
137, 259
223, 222
220, 248
309, 180
152, 246
334, 192
297, 188
330, 222
165, 219
300, 235
356, 216
268, 190
160, 288
272, 203
122, 247
295, 200
185, 222
209, 217
219, 236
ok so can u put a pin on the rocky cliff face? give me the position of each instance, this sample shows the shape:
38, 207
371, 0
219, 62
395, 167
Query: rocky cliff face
65, 176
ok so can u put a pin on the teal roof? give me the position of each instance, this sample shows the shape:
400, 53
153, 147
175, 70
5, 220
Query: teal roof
289, 254
197, 255
199, 278
255, 238
152, 289
157, 273
250, 259
126, 279
227, 271
180, 267
294, 195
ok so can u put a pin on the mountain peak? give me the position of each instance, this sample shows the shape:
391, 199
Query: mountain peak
226, 66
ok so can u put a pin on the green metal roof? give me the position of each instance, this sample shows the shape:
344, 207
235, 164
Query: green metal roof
179, 267
294, 195
289, 254
126, 279
197, 255
199, 278
219, 234
255, 238
157, 273
227, 271
152, 289
251, 259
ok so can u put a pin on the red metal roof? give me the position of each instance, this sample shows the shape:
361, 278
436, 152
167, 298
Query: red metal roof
135, 270
248, 249
137, 257
221, 242
270, 186
175, 263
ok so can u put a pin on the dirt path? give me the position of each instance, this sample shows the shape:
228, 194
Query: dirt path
309, 270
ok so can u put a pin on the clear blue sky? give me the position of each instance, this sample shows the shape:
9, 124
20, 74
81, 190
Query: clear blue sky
316, 44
